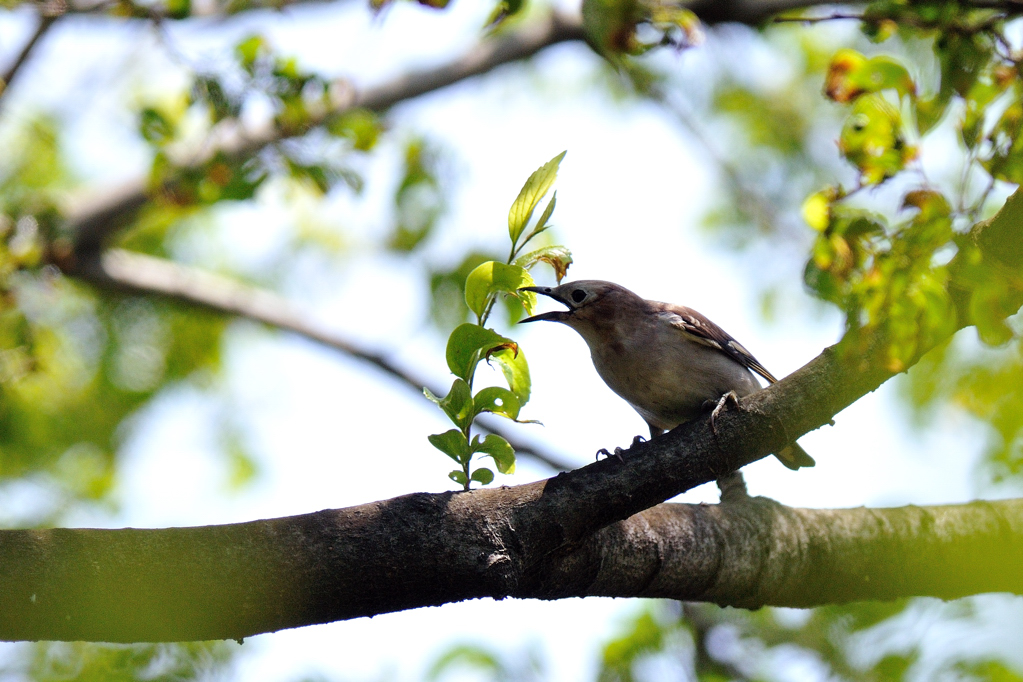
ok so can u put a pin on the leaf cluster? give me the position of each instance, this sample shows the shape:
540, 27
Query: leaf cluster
470, 344
299, 100
889, 275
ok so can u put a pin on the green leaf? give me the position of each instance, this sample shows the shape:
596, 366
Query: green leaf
468, 344
501, 11
850, 75
482, 475
491, 277
498, 449
666, 17
558, 257
458, 477
1006, 160
458, 403
155, 126
817, 210
872, 139
542, 224
179, 9
453, 444
516, 371
249, 50
361, 126
538, 184
497, 400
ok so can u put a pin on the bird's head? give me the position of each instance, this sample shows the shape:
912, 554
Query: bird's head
588, 301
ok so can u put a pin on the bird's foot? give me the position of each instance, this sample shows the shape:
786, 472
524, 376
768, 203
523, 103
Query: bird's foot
729, 397
617, 453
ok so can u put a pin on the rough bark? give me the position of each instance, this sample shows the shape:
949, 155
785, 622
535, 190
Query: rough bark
238, 580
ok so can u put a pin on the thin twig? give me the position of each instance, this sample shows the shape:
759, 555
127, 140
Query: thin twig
45, 23
147, 275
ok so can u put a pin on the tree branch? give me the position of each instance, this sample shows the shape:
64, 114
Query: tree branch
750, 12
140, 274
94, 225
233, 581
46, 21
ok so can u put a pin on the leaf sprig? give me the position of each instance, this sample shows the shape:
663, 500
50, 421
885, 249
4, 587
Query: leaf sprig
469, 344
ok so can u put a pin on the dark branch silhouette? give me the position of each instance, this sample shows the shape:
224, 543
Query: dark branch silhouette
46, 22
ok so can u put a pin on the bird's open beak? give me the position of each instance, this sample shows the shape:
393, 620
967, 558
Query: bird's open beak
554, 315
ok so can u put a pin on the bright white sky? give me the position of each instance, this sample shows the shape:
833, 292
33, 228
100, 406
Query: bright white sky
329, 433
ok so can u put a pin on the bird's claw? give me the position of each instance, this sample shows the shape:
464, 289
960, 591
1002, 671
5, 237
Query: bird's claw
637, 440
617, 453
725, 399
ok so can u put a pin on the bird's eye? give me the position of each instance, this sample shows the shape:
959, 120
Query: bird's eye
578, 295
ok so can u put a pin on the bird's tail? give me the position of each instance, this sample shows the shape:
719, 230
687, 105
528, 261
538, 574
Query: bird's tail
794, 457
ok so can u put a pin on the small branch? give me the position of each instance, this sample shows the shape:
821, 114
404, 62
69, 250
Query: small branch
46, 21
141, 274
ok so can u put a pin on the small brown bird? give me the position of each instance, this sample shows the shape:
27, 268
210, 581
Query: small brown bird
667, 361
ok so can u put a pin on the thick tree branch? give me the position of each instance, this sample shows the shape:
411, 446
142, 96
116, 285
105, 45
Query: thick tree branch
233, 581
758, 552
140, 274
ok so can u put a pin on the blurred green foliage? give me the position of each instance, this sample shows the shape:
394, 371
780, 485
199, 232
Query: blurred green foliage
484, 663
849, 642
87, 662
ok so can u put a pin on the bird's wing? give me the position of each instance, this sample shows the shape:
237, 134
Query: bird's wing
701, 330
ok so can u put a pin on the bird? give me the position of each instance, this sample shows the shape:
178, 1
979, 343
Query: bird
667, 361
